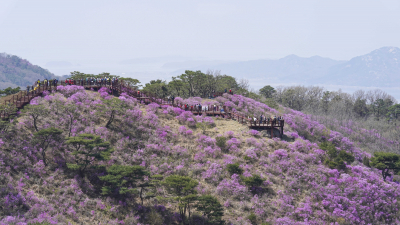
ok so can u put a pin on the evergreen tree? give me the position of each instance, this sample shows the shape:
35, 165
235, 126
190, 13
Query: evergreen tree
123, 180
360, 107
9, 91
386, 161
87, 149
267, 91
183, 188
45, 137
211, 208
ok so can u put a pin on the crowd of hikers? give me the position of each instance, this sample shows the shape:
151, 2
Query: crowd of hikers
39, 83
266, 120
201, 108
83, 81
215, 108
97, 81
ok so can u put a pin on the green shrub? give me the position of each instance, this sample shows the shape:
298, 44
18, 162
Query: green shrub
253, 181
345, 156
221, 142
247, 158
336, 159
253, 218
203, 126
366, 161
336, 163
329, 148
234, 169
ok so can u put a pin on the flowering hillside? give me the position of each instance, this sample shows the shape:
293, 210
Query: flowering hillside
84, 157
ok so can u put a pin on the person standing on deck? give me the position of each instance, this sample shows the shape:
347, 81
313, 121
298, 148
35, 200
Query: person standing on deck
225, 90
261, 119
27, 89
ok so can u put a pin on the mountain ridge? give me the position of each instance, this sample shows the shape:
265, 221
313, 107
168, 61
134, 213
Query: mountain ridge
377, 68
15, 71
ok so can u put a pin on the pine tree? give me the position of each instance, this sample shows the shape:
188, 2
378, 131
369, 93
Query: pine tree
183, 188
44, 138
87, 149
211, 208
123, 179
386, 161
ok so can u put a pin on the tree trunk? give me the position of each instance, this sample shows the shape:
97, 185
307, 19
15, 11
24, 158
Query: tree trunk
34, 123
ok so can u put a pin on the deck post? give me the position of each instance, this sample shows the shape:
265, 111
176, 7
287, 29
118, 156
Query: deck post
272, 131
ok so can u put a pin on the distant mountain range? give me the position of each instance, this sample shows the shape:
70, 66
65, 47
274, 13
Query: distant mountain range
380, 68
15, 71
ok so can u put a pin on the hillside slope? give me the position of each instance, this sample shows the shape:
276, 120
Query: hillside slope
276, 181
15, 71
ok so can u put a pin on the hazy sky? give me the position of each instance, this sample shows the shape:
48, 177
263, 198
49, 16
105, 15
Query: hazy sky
43, 31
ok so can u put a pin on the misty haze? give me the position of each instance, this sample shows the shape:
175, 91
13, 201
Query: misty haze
199, 112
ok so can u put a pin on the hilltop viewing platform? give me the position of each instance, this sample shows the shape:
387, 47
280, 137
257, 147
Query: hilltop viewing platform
117, 87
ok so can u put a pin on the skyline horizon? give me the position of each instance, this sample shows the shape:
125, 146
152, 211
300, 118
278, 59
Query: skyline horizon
228, 30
